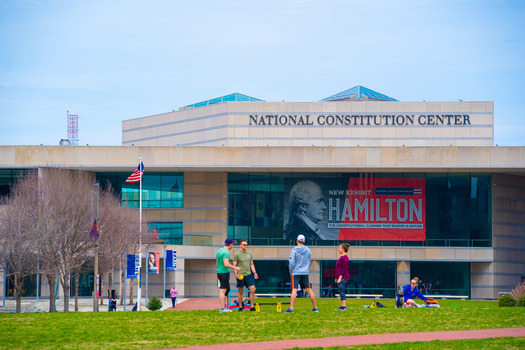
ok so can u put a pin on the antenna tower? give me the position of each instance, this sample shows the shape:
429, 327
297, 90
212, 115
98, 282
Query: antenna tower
72, 128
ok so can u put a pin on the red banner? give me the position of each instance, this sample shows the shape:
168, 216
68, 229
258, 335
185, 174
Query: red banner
383, 209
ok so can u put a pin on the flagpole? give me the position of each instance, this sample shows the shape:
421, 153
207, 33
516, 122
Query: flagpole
139, 292
164, 288
95, 272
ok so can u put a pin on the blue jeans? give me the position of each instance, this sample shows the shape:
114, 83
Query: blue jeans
342, 288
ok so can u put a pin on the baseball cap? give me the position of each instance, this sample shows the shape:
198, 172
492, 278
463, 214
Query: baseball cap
228, 241
301, 238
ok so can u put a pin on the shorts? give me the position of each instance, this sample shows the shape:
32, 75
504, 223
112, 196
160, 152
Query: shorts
301, 280
224, 280
247, 281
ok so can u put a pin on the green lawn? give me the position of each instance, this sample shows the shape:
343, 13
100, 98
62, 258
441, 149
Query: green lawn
161, 329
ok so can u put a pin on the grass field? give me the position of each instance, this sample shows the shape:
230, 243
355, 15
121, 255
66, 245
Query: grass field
139, 330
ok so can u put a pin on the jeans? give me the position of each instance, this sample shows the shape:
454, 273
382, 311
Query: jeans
173, 301
342, 288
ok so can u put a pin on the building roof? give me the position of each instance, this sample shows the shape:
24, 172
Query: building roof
235, 97
359, 93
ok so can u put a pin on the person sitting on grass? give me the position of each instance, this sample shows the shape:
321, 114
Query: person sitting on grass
410, 291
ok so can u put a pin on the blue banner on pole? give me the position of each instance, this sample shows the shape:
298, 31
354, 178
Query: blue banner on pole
171, 260
133, 266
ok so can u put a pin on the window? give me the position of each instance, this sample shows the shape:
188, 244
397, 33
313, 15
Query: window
366, 277
457, 208
446, 278
8, 178
159, 190
169, 232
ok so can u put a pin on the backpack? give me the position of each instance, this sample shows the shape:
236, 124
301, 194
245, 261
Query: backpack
376, 304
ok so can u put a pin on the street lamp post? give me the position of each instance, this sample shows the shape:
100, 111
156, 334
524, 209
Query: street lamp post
95, 281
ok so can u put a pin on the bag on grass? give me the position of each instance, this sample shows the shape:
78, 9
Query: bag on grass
376, 304
431, 301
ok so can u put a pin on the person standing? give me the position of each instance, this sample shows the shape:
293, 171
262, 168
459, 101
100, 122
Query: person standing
173, 294
299, 264
341, 273
244, 259
112, 304
223, 273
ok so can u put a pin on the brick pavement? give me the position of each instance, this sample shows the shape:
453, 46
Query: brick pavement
197, 304
367, 339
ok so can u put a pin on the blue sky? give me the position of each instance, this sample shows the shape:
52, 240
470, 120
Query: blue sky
108, 61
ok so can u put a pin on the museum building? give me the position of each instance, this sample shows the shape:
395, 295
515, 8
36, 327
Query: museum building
416, 188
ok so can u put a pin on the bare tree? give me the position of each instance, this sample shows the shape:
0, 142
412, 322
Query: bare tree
119, 229
52, 213
66, 212
19, 235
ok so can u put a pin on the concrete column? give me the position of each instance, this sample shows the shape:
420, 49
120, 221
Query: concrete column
403, 273
482, 281
315, 277
177, 277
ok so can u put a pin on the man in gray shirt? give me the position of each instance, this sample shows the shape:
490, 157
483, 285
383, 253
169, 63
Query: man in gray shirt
299, 263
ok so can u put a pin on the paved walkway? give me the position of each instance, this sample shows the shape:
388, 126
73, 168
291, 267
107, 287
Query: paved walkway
367, 339
196, 304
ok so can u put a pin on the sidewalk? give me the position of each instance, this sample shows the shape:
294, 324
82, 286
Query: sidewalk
367, 339
84, 305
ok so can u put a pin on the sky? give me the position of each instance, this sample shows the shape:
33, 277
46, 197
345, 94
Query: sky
110, 61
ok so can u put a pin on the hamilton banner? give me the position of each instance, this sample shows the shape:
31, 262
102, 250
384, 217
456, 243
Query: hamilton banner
355, 208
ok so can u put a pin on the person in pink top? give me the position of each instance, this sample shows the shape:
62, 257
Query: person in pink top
341, 273
173, 294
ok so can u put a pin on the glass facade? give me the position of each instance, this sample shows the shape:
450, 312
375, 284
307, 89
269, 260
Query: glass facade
169, 232
366, 277
455, 209
274, 276
8, 178
85, 285
159, 190
28, 287
445, 278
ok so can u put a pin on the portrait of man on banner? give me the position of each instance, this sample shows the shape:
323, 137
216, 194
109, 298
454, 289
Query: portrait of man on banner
153, 263
306, 209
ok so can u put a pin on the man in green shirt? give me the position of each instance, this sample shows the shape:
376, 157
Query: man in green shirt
223, 273
243, 259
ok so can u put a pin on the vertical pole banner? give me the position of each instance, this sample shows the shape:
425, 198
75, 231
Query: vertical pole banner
133, 266
171, 260
153, 262
157, 262
98, 286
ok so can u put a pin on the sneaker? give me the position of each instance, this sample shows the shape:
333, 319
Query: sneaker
315, 309
252, 309
225, 310
342, 308
241, 308
288, 310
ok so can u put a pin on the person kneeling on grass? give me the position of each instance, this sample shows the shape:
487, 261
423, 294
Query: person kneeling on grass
410, 291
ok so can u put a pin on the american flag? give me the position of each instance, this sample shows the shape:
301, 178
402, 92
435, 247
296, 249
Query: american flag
136, 175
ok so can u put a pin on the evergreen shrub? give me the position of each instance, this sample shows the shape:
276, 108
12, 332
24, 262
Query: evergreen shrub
506, 300
154, 304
